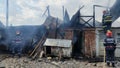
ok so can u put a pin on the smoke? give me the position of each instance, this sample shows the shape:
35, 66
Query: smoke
27, 34
115, 10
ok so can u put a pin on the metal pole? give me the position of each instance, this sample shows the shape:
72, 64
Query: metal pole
7, 13
94, 15
94, 12
63, 12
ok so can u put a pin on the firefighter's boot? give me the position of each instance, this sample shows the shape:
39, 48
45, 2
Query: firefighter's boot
113, 64
108, 63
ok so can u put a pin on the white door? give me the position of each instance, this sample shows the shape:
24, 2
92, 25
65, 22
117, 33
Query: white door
101, 41
117, 52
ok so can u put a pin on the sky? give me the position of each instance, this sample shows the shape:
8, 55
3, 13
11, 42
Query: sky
29, 12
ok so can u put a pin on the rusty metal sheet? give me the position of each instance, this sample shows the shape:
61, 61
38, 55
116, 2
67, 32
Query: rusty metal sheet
57, 42
89, 36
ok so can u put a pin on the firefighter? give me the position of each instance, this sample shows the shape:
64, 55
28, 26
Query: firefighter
107, 20
110, 47
17, 44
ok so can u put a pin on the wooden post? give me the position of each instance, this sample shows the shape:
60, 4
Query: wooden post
104, 66
104, 55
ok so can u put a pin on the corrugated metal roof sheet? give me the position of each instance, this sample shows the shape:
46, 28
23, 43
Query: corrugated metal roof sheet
116, 23
57, 42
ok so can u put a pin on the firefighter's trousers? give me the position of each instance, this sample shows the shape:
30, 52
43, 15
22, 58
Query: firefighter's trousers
110, 56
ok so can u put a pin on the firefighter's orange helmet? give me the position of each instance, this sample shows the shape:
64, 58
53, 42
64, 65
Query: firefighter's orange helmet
17, 32
109, 33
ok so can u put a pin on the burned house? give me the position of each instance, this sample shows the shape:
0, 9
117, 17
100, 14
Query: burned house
78, 31
85, 35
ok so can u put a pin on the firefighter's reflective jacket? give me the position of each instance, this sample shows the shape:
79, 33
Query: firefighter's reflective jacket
109, 43
107, 19
17, 40
17, 45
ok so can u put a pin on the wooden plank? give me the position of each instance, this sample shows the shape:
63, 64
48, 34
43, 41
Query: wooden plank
37, 46
39, 49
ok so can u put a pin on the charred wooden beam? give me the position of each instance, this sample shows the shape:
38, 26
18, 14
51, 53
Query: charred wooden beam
36, 51
86, 22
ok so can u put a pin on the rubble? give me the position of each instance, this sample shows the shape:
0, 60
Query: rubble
25, 62
49, 58
118, 64
2, 65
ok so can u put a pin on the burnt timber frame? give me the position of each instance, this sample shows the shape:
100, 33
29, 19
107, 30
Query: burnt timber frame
87, 22
92, 16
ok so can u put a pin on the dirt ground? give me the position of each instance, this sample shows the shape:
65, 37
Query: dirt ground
25, 62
